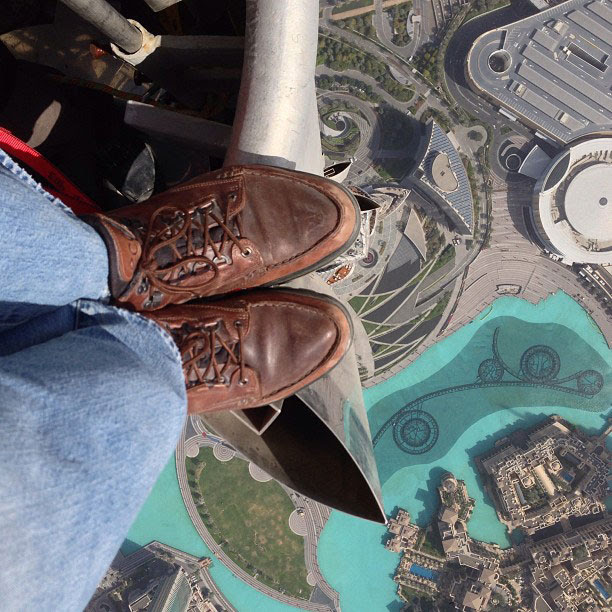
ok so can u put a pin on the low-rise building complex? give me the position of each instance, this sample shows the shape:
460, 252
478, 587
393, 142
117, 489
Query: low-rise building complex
550, 482
553, 70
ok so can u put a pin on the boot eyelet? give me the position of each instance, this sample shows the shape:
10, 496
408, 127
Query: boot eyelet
247, 252
221, 260
233, 196
222, 380
238, 323
243, 381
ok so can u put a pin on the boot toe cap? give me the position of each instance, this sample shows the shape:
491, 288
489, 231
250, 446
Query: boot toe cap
295, 343
297, 219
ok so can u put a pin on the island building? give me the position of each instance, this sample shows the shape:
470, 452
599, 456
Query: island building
540, 477
455, 509
439, 175
404, 533
552, 70
564, 565
465, 572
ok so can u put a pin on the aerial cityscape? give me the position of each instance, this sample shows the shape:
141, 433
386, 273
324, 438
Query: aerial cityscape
477, 138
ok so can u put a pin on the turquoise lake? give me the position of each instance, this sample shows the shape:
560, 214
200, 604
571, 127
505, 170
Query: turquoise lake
508, 369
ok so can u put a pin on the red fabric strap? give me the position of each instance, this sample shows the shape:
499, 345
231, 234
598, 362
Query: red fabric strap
61, 187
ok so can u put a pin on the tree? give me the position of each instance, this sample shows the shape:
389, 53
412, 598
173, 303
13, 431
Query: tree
475, 135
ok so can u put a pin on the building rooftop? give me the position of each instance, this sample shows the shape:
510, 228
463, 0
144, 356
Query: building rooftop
553, 69
588, 202
573, 202
443, 172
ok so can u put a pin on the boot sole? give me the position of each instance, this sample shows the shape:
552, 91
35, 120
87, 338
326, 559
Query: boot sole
329, 258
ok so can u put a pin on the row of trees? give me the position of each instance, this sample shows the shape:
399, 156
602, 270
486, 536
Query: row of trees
399, 14
349, 5
340, 56
433, 237
359, 89
484, 6
362, 24
426, 61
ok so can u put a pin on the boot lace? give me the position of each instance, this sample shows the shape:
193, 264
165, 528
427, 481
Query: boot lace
178, 244
209, 358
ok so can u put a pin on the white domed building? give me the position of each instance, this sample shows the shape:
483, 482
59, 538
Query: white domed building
572, 205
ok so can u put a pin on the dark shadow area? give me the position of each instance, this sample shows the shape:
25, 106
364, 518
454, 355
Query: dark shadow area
403, 265
428, 495
487, 443
395, 606
516, 193
128, 547
383, 312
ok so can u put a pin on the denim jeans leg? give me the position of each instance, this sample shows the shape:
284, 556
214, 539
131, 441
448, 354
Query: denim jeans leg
88, 419
48, 256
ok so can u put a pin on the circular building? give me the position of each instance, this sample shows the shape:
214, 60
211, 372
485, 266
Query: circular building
572, 207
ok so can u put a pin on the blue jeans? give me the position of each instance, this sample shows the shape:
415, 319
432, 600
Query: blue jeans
92, 402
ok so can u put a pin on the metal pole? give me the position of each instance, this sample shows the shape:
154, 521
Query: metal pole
160, 5
109, 21
276, 119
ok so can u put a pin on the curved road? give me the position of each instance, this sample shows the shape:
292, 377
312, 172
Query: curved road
368, 80
454, 66
381, 25
369, 128
377, 50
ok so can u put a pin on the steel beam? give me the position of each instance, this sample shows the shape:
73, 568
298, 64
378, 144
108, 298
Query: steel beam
276, 119
160, 5
320, 442
109, 21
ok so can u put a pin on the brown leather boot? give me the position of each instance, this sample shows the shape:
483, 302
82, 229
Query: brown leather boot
257, 348
224, 231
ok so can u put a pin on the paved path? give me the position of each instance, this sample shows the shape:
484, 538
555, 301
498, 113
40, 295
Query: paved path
218, 552
513, 258
364, 9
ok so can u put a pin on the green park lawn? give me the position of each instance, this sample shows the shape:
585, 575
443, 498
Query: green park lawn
249, 519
